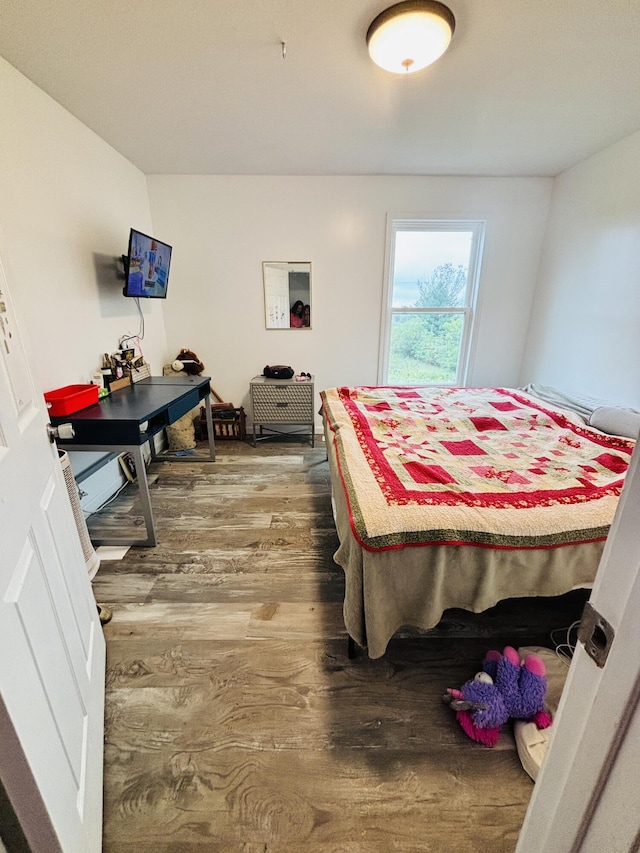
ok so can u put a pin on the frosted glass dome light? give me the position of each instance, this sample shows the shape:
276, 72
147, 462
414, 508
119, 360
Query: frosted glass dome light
409, 36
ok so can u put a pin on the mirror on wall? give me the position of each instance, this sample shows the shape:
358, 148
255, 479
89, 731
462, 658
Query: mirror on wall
287, 294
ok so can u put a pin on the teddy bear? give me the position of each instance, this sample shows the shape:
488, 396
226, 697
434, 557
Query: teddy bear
506, 688
188, 361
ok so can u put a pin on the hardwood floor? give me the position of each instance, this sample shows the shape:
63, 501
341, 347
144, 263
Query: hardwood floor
235, 721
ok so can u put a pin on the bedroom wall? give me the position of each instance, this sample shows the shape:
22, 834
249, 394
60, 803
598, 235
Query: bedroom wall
223, 228
585, 325
67, 203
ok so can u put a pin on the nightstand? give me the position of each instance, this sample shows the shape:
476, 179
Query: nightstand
285, 402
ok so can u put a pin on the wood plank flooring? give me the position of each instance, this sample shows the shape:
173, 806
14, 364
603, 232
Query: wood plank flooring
235, 721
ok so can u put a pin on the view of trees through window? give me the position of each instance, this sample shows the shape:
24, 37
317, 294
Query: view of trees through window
431, 301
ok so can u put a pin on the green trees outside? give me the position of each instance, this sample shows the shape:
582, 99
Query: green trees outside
445, 289
425, 347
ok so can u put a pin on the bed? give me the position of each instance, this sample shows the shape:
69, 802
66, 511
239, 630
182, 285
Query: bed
459, 498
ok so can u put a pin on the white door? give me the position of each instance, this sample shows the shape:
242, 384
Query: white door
53, 651
587, 794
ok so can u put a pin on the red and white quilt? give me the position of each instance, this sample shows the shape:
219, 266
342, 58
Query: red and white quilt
492, 467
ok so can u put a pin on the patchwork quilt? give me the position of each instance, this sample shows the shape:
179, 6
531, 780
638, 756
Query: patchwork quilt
491, 467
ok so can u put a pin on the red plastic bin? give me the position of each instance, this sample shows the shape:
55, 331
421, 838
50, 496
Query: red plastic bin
70, 399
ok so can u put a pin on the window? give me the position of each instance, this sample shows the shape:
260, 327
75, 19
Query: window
432, 273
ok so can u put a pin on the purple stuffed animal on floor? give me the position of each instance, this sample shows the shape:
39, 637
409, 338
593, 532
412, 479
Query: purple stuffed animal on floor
505, 689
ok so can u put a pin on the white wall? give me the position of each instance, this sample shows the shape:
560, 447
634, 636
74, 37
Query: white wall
67, 201
222, 228
585, 330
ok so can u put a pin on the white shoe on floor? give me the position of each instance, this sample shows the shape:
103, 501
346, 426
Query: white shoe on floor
531, 742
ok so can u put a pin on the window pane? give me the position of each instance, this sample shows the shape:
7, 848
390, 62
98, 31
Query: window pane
429, 300
425, 348
430, 268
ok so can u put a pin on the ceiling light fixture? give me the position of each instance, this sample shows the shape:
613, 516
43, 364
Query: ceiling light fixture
409, 36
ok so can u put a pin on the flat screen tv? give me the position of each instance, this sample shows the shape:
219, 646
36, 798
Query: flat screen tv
146, 267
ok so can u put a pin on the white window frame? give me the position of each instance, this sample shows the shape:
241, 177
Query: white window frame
395, 224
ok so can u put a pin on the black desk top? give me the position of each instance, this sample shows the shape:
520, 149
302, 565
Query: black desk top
159, 400
174, 379
138, 402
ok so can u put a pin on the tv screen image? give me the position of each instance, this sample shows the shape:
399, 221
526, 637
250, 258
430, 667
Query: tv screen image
147, 266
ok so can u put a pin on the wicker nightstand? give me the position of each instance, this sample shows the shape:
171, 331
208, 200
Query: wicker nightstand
281, 401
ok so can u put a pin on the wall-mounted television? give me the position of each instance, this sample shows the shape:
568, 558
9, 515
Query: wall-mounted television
146, 266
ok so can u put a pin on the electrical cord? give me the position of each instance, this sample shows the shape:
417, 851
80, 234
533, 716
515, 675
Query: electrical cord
565, 649
126, 339
107, 502
141, 331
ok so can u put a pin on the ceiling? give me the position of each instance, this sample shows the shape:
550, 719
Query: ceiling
528, 87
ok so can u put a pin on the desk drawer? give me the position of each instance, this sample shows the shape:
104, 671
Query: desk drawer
183, 405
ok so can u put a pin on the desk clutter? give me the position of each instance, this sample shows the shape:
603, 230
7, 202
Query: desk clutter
117, 370
121, 368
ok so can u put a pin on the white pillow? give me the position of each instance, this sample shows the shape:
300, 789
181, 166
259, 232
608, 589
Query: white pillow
615, 421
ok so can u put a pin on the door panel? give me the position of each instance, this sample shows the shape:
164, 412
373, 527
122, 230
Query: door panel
31, 596
52, 682
585, 798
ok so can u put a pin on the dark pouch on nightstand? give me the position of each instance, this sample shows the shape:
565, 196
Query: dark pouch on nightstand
278, 371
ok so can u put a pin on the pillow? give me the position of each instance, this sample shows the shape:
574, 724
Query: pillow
579, 405
615, 421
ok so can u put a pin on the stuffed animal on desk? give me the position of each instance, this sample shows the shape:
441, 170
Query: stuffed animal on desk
506, 688
188, 361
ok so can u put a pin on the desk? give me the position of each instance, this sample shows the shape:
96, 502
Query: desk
129, 418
